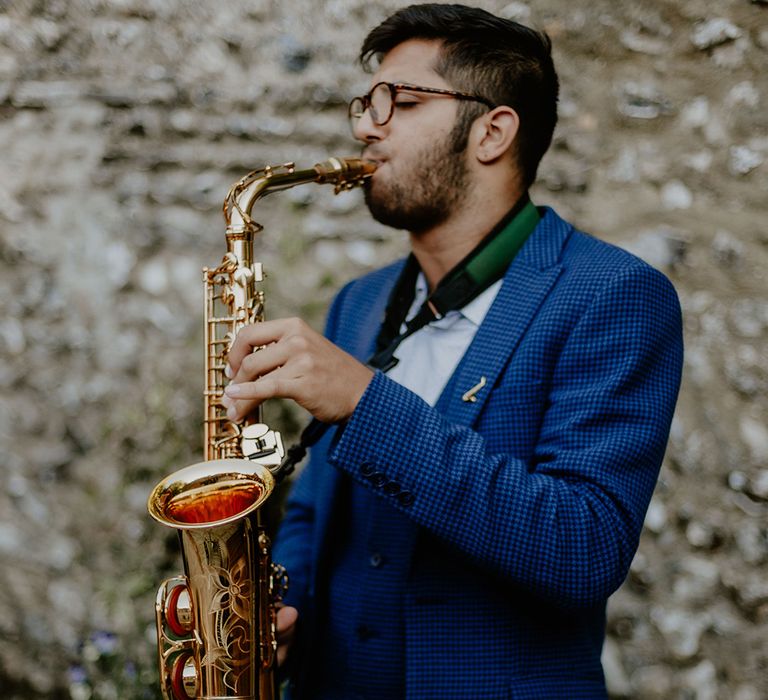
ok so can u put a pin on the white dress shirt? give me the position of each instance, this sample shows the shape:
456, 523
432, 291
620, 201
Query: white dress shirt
428, 358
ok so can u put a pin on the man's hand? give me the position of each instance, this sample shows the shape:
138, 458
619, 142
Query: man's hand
286, 627
297, 363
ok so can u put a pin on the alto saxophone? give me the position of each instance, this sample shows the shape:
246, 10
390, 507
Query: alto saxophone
216, 631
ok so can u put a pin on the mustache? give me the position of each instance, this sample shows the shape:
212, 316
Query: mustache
372, 153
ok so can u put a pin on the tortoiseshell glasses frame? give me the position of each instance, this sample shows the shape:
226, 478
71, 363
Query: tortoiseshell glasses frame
380, 101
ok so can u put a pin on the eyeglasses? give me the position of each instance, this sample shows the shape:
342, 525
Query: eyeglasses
380, 101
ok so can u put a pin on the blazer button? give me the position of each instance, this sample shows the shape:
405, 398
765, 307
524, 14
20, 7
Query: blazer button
391, 488
376, 560
366, 469
405, 498
378, 479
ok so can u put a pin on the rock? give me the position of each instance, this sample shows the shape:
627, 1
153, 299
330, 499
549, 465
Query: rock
118, 261
746, 691
46, 94
656, 517
713, 32
653, 682
153, 277
743, 160
662, 247
752, 541
700, 535
294, 56
361, 252
626, 166
756, 436
751, 591
675, 195
642, 43
700, 161
12, 339
737, 480
748, 317
615, 677
682, 630
643, 101
516, 11
702, 680
696, 113
731, 56
727, 248
743, 94
697, 581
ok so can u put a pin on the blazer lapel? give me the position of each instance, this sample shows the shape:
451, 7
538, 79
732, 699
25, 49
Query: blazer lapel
528, 281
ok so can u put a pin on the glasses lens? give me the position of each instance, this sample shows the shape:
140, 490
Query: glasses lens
356, 108
381, 104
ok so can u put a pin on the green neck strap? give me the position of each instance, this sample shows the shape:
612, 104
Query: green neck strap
491, 262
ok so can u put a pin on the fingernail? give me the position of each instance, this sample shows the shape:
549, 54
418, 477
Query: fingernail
233, 390
226, 401
228, 371
232, 413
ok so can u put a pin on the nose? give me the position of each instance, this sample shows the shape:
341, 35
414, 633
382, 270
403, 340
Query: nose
364, 129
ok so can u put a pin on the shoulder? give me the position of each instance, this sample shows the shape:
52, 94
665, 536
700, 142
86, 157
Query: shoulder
359, 306
594, 265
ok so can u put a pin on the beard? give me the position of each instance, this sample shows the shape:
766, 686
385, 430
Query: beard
430, 186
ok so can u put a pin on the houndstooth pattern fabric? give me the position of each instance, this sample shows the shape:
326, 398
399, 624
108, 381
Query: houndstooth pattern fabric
524, 507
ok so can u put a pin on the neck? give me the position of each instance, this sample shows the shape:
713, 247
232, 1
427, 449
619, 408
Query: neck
440, 248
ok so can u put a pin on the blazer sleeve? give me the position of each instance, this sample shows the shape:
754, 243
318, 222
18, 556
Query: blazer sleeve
564, 524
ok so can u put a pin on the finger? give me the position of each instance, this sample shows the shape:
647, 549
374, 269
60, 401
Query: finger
282, 654
257, 335
260, 362
238, 410
286, 626
246, 396
278, 383
286, 620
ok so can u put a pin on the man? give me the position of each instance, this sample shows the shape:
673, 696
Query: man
457, 532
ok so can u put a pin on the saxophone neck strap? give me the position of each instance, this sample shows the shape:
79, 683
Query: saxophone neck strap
484, 265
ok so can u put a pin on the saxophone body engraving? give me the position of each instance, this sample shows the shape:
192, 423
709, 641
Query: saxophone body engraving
216, 624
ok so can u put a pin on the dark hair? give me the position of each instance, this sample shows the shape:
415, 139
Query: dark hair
501, 60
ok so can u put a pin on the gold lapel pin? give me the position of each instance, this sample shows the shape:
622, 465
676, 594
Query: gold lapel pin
470, 396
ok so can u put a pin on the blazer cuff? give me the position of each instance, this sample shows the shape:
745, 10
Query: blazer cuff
386, 419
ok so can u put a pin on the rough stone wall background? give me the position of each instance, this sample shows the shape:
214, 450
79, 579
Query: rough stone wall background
123, 123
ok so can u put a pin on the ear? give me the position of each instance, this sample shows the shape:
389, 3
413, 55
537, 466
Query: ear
495, 132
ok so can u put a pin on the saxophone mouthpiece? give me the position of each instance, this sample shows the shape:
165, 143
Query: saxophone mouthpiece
366, 167
345, 173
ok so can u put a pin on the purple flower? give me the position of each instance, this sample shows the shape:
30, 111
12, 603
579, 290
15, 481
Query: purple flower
104, 642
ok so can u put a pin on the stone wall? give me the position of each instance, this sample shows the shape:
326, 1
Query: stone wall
122, 124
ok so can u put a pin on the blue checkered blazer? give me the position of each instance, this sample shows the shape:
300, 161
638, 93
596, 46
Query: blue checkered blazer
527, 504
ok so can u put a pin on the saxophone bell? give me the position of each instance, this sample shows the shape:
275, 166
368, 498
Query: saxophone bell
215, 625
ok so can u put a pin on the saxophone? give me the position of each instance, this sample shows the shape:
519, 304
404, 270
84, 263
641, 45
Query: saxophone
216, 631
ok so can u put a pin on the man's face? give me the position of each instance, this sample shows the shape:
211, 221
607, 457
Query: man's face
421, 179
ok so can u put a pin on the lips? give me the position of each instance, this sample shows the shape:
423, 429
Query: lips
372, 155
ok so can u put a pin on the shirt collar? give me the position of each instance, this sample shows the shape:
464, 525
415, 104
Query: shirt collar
474, 311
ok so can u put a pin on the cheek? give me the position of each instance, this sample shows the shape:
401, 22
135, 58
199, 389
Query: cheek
381, 177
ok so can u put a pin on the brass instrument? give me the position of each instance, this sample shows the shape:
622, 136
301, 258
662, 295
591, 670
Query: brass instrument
216, 629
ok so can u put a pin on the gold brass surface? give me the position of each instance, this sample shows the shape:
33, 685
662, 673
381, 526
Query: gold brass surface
216, 629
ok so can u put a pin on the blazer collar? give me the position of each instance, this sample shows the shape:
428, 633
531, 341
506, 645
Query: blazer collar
527, 282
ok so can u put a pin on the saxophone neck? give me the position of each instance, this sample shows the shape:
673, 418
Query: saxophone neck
343, 173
